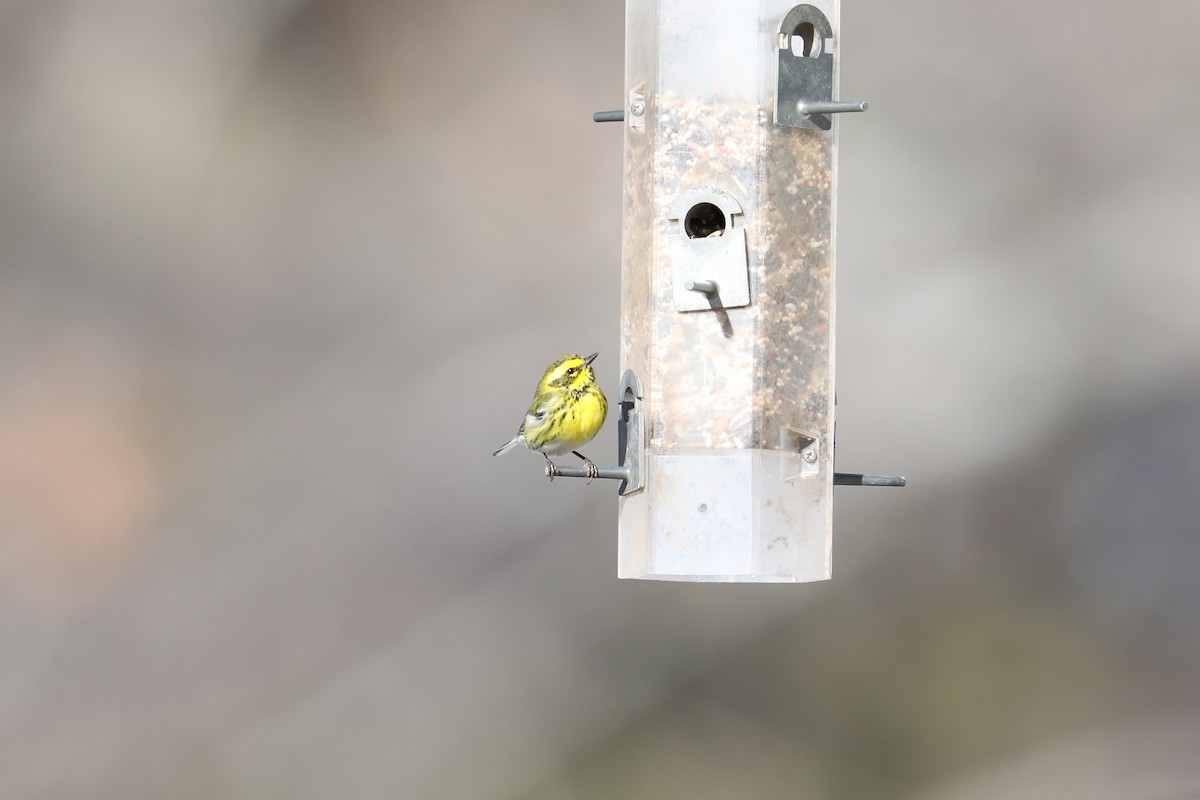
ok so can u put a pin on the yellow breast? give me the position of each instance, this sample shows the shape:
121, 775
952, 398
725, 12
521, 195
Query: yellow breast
586, 418
569, 422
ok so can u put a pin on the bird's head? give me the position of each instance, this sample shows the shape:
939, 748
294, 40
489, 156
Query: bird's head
569, 373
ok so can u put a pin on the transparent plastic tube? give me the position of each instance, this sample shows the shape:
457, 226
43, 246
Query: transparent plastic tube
727, 297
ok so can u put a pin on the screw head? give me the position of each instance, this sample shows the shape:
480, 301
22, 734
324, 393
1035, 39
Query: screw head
809, 455
637, 108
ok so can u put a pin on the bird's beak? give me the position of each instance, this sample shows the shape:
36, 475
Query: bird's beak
587, 361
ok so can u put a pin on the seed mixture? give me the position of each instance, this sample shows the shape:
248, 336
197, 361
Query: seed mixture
736, 377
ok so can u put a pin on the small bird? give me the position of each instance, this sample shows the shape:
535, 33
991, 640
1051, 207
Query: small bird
567, 412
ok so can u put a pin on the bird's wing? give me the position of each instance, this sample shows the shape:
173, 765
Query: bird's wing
543, 405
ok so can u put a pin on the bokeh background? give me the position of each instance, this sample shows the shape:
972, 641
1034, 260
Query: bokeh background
276, 276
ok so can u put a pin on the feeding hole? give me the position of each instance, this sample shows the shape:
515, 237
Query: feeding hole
806, 42
703, 220
628, 402
702, 507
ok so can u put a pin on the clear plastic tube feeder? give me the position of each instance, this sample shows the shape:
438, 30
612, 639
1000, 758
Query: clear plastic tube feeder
727, 290
725, 431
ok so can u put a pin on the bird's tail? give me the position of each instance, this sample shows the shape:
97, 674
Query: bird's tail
516, 440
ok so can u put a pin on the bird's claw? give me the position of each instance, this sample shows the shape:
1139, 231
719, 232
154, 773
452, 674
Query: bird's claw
551, 469
592, 472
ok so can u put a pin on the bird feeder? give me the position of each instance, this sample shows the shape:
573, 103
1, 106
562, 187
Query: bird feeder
727, 291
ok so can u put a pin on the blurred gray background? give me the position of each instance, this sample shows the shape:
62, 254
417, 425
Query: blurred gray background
277, 276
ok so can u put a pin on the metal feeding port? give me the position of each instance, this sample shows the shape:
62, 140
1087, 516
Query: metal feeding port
804, 78
709, 267
727, 290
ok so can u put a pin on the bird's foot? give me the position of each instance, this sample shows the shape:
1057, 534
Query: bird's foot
592, 472
551, 469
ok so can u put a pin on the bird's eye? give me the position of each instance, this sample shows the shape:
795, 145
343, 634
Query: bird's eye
572, 370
